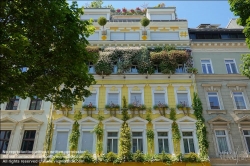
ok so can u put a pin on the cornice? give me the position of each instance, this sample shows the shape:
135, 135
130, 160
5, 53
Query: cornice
220, 77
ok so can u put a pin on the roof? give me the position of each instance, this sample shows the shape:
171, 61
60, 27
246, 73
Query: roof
233, 24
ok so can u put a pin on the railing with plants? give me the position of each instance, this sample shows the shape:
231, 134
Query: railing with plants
112, 108
146, 59
89, 108
183, 106
161, 107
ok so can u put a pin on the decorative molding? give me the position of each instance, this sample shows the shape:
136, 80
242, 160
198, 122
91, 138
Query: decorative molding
237, 86
33, 112
10, 112
242, 112
211, 87
217, 111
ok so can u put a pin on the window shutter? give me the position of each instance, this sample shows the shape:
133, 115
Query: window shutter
87, 141
159, 97
61, 141
136, 97
182, 97
91, 99
113, 97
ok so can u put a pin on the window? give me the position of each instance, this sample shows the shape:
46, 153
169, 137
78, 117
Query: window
188, 142
134, 69
137, 141
62, 140
35, 103
112, 142
91, 99
246, 134
113, 98
87, 141
182, 98
163, 145
159, 98
91, 68
136, 98
28, 141
213, 100
206, 67
157, 69
221, 140
231, 66
180, 69
115, 68
4, 140
13, 103
239, 100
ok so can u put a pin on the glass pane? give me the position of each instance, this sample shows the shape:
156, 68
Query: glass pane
23, 147
1, 143
248, 143
204, 70
214, 102
38, 105
209, 68
109, 145
2, 134
7, 136
26, 134
134, 146
159, 98
212, 93
233, 68
187, 133
62, 141
205, 61
5, 146
140, 145
112, 134
220, 132
115, 145
160, 145
87, 141
166, 147
246, 132
228, 69
185, 142
191, 144
182, 98
30, 146
32, 134
33, 105
162, 133
239, 101
137, 134
222, 143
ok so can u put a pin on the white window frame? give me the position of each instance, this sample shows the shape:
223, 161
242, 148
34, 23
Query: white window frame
139, 90
112, 138
87, 124
231, 66
181, 68
217, 95
187, 87
162, 137
111, 124
93, 66
244, 137
243, 96
227, 139
66, 131
206, 63
137, 138
159, 88
93, 89
113, 89
187, 137
138, 124
18, 106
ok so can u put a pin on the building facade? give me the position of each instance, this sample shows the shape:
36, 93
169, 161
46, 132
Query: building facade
224, 92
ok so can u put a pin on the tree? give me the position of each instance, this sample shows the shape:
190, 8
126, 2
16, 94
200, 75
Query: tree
96, 4
43, 46
241, 8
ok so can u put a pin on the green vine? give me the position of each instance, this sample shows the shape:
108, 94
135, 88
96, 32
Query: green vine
150, 137
200, 128
48, 138
74, 136
98, 130
125, 115
176, 136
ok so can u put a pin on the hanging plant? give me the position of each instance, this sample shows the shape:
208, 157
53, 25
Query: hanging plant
168, 67
104, 67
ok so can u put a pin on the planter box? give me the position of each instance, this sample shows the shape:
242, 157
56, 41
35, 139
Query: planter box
127, 164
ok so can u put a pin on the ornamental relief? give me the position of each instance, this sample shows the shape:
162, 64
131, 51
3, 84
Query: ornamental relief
211, 89
236, 88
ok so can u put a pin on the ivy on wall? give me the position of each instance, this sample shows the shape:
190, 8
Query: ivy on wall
200, 128
48, 138
145, 58
98, 130
176, 136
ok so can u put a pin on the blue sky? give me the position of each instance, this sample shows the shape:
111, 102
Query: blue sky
196, 11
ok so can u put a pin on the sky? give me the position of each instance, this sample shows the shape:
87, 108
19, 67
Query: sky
195, 11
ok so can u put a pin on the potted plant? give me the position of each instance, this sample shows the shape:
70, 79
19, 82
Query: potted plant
102, 22
112, 108
144, 22
118, 10
138, 10
184, 107
124, 10
162, 107
192, 70
89, 107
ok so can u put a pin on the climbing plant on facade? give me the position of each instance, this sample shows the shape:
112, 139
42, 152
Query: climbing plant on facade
74, 136
176, 136
48, 138
200, 128
98, 130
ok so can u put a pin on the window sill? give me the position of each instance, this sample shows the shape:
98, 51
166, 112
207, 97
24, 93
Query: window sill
61, 112
33, 112
10, 112
242, 111
216, 111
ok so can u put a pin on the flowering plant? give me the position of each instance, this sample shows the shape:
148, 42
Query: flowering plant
137, 8
112, 105
134, 105
118, 10
90, 106
183, 105
124, 10
160, 105
132, 11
